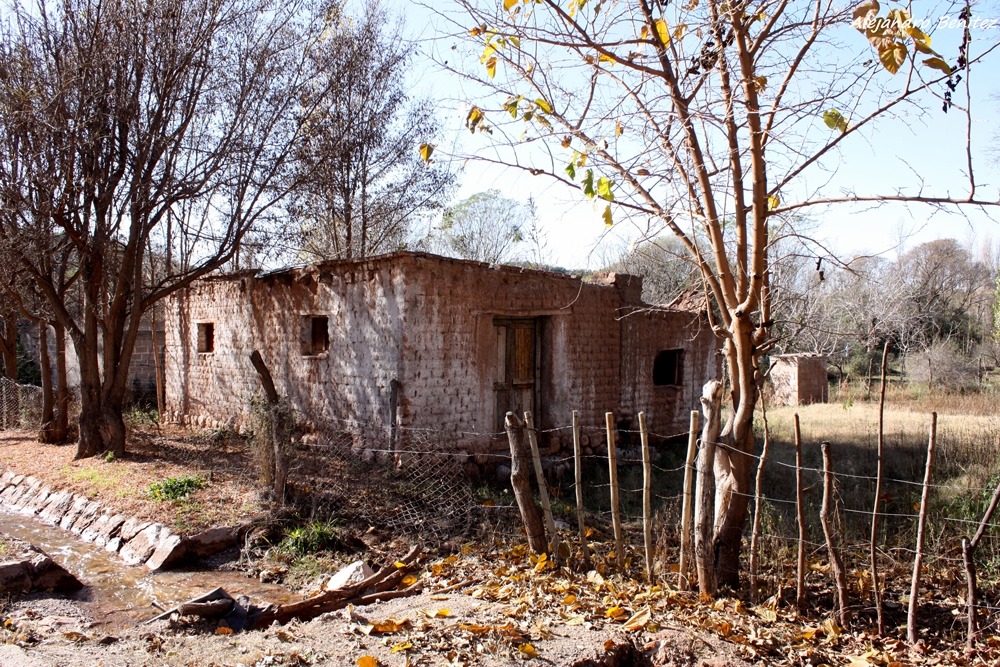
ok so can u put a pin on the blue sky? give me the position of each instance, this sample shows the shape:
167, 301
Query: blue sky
882, 160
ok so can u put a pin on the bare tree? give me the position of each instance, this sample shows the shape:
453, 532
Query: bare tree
364, 182
701, 115
135, 124
486, 227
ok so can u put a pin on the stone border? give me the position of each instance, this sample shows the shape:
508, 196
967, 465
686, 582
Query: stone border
135, 540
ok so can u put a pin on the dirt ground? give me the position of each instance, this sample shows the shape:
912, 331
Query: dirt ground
440, 630
154, 454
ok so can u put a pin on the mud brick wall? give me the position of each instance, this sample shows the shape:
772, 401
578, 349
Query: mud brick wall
348, 383
429, 323
799, 379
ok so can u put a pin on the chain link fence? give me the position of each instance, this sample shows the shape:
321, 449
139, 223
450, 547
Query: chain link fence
20, 405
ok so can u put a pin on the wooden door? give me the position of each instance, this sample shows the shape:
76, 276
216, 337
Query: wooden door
516, 368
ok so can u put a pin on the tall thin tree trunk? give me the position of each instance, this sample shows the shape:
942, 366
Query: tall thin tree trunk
48, 400
60, 430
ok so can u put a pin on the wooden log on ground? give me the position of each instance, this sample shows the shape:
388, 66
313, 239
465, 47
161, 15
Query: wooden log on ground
207, 609
521, 481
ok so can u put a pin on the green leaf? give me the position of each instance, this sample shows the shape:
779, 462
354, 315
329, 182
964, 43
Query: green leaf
938, 63
834, 120
571, 167
511, 105
607, 216
604, 188
426, 150
588, 184
543, 105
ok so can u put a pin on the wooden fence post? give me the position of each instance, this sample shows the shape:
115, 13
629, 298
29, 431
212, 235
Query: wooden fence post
616, 519
520, 480
878, 494
704, 511
836, 564
687, 505
911, 616
800, 572
578, 459
543, 487
647, 499
758, 492
968, 551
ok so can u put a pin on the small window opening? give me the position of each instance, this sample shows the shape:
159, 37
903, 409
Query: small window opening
206, 337
667, 368
319, 335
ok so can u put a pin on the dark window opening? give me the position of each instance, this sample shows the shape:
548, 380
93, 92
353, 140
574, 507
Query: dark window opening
206, 337
319, 340
668, 367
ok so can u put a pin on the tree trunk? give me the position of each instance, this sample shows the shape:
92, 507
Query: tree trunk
734, 458
45, 434
60, 430
279, 426
12, 398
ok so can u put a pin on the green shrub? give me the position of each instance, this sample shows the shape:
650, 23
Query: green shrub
176, 488
314, 536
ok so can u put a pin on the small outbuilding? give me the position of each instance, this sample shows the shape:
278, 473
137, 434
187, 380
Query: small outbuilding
411, 342
799, 379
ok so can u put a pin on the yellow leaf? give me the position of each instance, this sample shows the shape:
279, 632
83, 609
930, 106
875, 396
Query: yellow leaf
892, 55
679, 30
439, 597
606, 59
663, 30
575, 620
569, 599
426, 150
440, 613
367, 661
644, 34
938, 63
768, 615
543, 105
390, 625
223, 631
759, 83
608, 221
400, 565
618, 129
285, 636
509, 4
409, 580
476, 629
401, 647
638, 620
474, 118
528, 651
491, 67
615, 612
773, 202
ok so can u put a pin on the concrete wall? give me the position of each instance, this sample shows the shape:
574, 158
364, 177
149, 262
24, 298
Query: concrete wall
429, 323
799, 379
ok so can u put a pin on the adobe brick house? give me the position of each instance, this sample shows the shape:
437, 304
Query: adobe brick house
799, 379
435, 343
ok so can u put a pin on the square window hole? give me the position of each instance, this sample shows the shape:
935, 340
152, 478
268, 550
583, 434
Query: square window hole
317, 335
667, 368
206, 337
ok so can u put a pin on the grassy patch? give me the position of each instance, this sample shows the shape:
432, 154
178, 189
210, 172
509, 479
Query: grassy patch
176, 488
312, 537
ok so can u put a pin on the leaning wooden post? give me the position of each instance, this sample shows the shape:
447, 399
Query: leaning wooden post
878, 494
911, 616
647, 496
521, 481
279, 426
578, 459
687, 505
800, 572
968, 551
543, 487
758, 494
704, 509
836, 564
616, 519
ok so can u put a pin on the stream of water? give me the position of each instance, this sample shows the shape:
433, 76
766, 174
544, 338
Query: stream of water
115, 589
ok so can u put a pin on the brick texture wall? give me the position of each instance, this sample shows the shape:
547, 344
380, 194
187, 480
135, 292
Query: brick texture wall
799, 379
429, 323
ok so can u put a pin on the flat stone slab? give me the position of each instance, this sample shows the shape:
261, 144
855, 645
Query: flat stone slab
213, 540
28, 568
141, 547
170, 550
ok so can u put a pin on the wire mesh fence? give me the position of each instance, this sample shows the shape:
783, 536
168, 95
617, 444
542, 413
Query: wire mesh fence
20, 405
